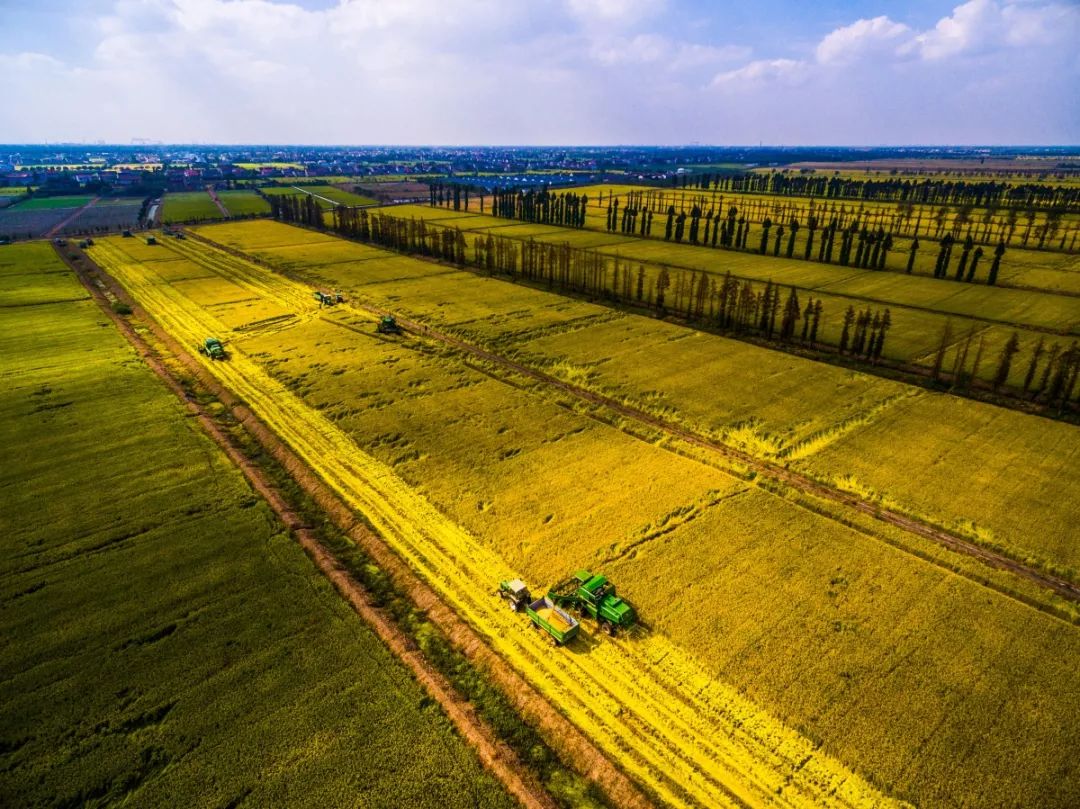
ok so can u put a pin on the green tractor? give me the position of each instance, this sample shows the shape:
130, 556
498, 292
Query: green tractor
213, 348
593, 595
387, 325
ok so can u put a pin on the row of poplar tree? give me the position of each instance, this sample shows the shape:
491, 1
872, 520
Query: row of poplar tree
728, 304
1051, 375
941, 191
858, 245
906, 219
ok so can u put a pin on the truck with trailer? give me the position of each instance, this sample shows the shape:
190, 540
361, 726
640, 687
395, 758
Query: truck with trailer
328, 298
545, 614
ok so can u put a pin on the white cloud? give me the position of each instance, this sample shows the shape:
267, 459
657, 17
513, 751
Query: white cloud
30, 61
784, 70
663, 53
976, 23
980, 26
421, 71
614, 12
863, 37
988, 72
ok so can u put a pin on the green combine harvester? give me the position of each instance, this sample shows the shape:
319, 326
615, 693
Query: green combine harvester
387, 325
593, 595
213, 348
585, 593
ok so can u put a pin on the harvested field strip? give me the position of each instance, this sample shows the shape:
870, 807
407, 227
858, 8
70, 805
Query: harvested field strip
643, 700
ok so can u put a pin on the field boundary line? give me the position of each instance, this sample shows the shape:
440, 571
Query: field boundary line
574, 748
333, 202
796, 480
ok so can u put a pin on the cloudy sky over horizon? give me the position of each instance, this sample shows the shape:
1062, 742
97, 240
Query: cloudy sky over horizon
541, 72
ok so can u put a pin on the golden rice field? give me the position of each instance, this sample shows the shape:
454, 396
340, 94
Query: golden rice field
795, 656
794, 410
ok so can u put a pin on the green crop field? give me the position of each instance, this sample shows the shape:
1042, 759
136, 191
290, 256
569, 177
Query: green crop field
813, 614
165, 640
49, 203
328, 196
240, 203
185, 206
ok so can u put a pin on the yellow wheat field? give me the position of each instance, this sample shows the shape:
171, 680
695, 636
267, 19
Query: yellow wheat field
689, 738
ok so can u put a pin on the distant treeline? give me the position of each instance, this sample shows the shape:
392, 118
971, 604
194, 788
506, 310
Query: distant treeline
945, 191
566, 209
300, 208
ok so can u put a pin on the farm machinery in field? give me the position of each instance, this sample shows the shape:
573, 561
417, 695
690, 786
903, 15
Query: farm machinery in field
213, 348
545, 614
583, 593
593, 595
328, 298
388, 325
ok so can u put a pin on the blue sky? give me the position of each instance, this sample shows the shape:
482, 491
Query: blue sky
554, 71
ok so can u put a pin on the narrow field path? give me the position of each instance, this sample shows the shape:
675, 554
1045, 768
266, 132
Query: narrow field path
332, 202
988, 556
692, 740
75, 215
495, 754
217, 201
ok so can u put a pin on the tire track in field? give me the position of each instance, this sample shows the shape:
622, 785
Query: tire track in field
796, 480
692, 740
495, 754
